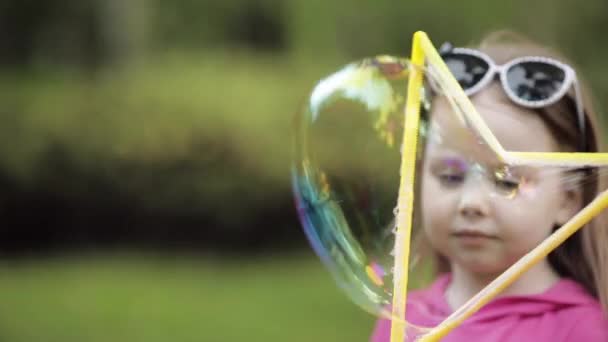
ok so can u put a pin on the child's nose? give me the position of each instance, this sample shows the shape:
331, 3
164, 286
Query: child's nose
474, 199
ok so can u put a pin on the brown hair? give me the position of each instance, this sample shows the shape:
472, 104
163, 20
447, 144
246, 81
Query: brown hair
584, 256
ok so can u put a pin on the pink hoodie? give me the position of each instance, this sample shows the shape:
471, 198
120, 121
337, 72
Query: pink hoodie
565, 312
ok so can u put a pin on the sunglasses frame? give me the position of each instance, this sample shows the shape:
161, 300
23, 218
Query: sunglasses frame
501, 70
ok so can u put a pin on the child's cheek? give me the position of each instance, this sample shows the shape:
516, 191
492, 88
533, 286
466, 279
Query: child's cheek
528, 190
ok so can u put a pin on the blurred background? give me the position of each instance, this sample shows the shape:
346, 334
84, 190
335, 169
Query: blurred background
145, 156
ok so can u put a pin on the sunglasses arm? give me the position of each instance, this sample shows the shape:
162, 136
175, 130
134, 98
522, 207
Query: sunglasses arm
580, 111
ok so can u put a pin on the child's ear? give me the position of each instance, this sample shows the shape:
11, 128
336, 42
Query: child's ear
571, 203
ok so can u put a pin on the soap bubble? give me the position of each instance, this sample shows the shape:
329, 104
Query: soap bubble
346, 173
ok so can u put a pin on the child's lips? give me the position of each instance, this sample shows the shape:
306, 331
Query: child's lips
472, 236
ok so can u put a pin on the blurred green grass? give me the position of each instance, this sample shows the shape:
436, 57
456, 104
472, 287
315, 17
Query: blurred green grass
149, 298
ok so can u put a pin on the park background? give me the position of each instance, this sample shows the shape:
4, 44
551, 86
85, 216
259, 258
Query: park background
145, 156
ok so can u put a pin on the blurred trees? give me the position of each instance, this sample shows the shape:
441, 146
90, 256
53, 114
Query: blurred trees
168, 123
90, 30
88, 33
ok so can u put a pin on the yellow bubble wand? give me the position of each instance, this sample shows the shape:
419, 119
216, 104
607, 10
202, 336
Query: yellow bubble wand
423, 50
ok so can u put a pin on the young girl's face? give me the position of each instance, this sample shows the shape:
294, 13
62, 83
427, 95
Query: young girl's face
483, 222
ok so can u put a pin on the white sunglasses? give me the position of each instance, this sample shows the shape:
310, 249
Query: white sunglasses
530, 81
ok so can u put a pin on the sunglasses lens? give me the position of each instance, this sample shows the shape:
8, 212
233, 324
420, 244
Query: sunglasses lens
535, 81
467, 69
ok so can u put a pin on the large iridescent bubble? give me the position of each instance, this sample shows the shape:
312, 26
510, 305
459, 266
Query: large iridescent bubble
346, 171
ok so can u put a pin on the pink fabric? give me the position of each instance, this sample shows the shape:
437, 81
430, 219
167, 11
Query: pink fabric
565, 312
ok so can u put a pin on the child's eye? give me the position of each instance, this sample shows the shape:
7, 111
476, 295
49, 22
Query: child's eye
507, 186
451, 179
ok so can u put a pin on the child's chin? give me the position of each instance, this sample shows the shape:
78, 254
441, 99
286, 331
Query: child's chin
483, 265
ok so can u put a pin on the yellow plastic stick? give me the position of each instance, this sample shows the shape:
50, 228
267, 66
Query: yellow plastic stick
573, 159
422, 47
516, 270
461, 99
406, 191
445, 77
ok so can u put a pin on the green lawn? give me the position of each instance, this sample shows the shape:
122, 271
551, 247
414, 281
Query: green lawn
137, 298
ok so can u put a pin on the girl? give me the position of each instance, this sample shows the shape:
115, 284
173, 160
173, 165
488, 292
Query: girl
563, 298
